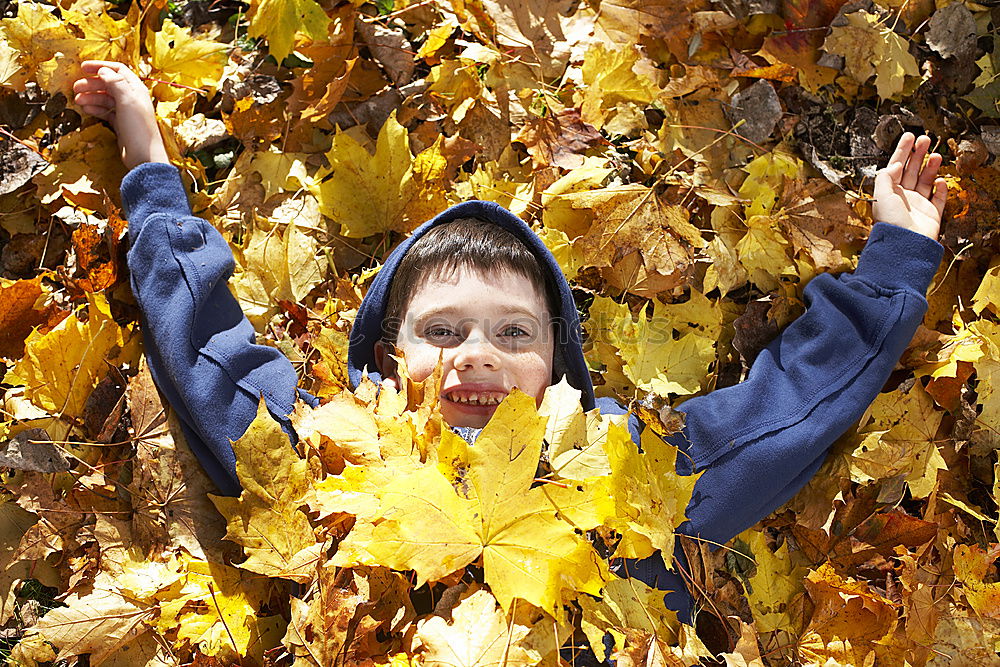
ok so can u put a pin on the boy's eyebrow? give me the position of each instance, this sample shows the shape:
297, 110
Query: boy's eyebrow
457, 310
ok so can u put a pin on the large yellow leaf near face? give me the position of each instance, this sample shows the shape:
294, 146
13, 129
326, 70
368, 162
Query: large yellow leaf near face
422, 525
529, 551
265, 519
369, 194
279, 20
60, 369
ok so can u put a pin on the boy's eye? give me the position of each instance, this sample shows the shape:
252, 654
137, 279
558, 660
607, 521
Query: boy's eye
515, 332
438, 332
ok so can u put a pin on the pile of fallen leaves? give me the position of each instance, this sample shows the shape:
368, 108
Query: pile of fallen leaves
692, 164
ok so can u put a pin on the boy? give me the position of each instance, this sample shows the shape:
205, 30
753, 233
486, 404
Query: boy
476, 288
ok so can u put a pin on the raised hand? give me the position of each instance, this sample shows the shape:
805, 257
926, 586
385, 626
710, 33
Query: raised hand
113, 92
908, 192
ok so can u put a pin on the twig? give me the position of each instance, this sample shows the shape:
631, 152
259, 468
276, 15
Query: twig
172, 84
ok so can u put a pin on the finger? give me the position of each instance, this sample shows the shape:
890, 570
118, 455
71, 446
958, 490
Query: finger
91, 84
940, 197
92, 66
926, 180
104, 113
915, 161
903, 147
94, 100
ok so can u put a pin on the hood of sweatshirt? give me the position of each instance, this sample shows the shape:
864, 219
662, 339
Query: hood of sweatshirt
367, 329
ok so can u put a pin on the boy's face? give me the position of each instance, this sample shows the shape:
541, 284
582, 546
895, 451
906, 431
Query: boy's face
491, 333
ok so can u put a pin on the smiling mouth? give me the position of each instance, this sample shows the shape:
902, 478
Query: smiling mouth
481, 398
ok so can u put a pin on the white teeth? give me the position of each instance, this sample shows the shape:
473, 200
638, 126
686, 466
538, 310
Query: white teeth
474, 398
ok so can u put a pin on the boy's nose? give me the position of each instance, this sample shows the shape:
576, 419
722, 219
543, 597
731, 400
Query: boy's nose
475, 352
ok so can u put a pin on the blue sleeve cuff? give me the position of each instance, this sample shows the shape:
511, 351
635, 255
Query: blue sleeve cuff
899, 259
153, 187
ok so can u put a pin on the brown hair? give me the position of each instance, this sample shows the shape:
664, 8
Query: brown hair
462, 243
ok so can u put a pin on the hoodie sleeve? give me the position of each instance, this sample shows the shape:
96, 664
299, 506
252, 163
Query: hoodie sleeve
760, 441
199, 345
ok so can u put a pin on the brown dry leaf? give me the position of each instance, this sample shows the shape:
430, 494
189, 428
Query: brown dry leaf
324, 623
799, 43
22, 310
849, 619
559, 139
631, 222
100, 254
169, 491
99, 623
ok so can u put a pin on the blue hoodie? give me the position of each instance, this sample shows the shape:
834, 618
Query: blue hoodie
756, 443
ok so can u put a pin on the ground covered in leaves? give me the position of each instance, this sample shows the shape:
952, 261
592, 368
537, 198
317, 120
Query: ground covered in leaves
691, 163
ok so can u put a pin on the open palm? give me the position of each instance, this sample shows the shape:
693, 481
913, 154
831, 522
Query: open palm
908, 192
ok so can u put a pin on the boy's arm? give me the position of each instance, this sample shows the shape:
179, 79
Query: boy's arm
760, 441
199, 345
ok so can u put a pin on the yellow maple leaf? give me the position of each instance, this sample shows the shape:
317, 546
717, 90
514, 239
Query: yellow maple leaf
280, 20
650, 356
988, 294
59, 369
369, 194
214, 607
455, 85
626, 604
276, 266
900, 440
45, 43
479, 635
649, 496
422, 523
84, 167
266, 520
575, 439
988, 378
871, 47
177, 55
776, 581
610, 80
